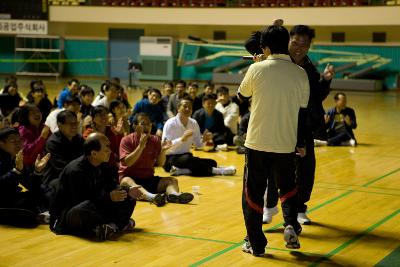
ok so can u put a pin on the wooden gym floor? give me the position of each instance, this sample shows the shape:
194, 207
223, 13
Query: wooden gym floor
355, 210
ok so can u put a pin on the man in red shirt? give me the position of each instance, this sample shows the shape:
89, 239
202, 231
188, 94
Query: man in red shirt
139, 153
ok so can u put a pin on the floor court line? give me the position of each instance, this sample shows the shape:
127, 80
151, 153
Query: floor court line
354, 239
221, 252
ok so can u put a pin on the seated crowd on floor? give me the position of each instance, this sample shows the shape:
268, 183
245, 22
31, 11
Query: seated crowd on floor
81, 161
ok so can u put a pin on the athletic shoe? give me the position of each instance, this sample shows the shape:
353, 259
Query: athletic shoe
183, 198
159, 200
231, 170
246, 247
291, 239
350, 142
302, 218
320, 142
269, 213
105, 231
173, 171
43, 218
223, 147
129, 226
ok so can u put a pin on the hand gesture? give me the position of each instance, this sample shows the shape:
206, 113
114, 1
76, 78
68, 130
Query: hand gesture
143, 139
186, 135
207, 136
119, 129
329, 72
41, 163
167, 144
301, 151
45, 132
19, 161
326, 117
118, 195
159, 132
259, 58
347, 120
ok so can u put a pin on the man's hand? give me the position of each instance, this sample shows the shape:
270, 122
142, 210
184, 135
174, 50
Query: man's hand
159, 132
45, 132
207, 136
167, 144
118, 195
143, 140
19, 161
326, 117
186, 135
301, 151
41, 163
328, 73
347, 120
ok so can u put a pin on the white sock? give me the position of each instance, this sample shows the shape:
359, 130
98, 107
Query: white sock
149, 196
217, 170
182, 171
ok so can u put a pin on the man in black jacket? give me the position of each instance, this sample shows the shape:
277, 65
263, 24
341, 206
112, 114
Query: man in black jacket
210, 120
64, 145
89, 202
17, 207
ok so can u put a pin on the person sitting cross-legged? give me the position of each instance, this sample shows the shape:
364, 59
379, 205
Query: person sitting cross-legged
183, 131
89, 202
140, 152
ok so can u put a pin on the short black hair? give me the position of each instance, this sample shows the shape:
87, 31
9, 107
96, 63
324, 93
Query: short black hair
336, 97
185, 98
98, 109
73, 81
72, 99
36, 82
91, 144
252, 44
155, 90
8, 86
303, 30
63, 115
209, 84
223, 90
135, 120
182, 82
170, 83
23, 114
86, 90
276, 38
115, 103
6, 132
209, 97
194, 84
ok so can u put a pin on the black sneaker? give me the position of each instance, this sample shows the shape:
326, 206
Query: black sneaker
159, 200
105, 231
183, 198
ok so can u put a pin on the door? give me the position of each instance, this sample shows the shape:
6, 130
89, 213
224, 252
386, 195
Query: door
123, 44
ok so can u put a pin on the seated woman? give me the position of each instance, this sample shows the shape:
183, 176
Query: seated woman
119, 116
101, 124
32, 132
38, 97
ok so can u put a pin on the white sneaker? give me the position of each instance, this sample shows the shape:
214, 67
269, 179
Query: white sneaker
223, 147
230, 170
269, 213
320, 142
290, 237
302, 218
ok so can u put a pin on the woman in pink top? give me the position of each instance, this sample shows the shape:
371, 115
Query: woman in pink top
33, 133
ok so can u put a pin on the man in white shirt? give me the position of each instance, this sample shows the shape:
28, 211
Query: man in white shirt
72, 103
183, 131
280, 92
